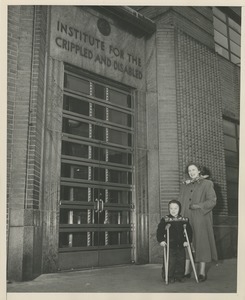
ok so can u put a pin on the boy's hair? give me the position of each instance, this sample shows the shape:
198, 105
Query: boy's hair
176, 202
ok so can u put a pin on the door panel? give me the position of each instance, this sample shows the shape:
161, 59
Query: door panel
96, 175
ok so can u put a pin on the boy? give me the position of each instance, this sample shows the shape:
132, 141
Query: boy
177, 241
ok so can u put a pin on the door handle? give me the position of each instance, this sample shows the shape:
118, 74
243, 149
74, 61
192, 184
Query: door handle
102, 205
97, 205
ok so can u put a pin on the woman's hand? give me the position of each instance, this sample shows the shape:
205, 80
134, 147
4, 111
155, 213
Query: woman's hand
194, 206
163, 244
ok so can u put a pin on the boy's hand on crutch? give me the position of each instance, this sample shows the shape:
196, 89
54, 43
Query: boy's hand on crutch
163, 244
185, 244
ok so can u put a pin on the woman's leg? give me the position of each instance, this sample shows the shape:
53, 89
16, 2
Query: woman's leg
202, 268
202, 276
187, 266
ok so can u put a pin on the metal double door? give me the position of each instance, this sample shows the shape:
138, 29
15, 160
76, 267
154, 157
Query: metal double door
96, 207
97, 232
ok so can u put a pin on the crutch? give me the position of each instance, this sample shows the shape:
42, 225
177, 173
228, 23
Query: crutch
190, 253
167, 254
165, 264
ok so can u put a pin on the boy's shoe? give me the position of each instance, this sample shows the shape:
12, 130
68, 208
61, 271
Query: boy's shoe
187, 275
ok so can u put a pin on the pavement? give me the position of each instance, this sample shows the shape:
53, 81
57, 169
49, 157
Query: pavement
222, 278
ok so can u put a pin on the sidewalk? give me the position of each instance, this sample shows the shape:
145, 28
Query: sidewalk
222, 278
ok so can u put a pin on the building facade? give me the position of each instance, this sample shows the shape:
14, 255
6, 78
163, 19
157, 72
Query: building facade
106, 106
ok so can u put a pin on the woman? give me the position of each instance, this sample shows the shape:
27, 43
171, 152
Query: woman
197, 197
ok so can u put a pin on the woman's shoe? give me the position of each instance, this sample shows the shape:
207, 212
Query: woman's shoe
202, 278
187, 275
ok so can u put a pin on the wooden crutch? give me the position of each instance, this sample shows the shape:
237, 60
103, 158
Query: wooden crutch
190, 253
167, 255
165, 263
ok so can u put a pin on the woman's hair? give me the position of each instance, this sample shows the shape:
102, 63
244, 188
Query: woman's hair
203, 170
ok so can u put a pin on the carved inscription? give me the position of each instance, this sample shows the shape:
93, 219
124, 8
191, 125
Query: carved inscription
91, 48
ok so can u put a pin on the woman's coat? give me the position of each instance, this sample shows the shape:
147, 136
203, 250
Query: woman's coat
200, 192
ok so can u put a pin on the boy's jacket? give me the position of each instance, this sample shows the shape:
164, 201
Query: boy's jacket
176, 231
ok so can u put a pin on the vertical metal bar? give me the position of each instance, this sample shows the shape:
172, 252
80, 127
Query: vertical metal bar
70, 214
228, 36
70, 221
106, 170
132, 194
90, 216
119, 217
119, 238
78, 219
167, 258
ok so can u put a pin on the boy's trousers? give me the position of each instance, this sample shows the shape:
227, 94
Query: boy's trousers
176, 267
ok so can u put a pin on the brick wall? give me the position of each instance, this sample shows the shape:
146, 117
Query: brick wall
13, 36
167, 116
36, 109
200, 112
20, 37
26, 65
